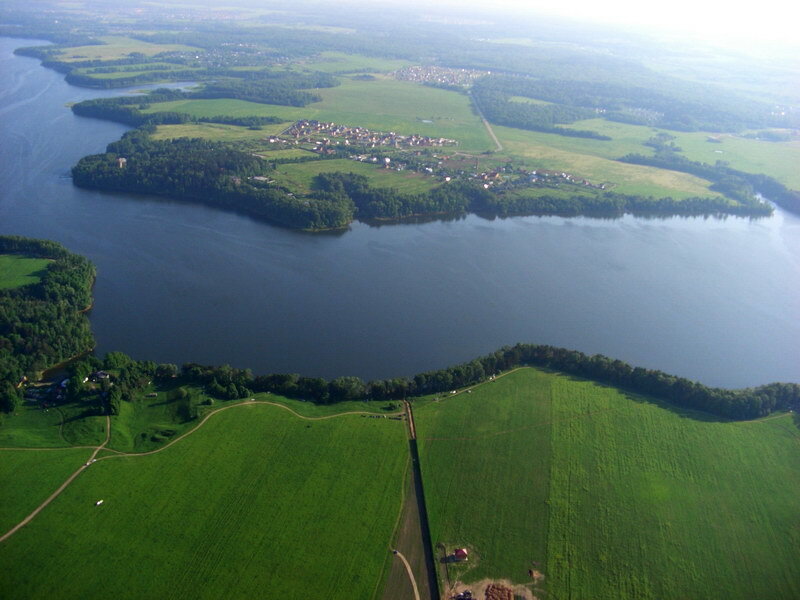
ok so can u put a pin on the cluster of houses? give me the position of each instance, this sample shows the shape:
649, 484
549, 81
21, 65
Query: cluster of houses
549, 176
439, 75
322, 136
50, 395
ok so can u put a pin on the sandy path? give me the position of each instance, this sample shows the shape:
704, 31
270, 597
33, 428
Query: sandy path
487, 125
410, 573
61, 488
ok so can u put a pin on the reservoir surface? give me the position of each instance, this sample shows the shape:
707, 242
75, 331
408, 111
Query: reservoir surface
717, 300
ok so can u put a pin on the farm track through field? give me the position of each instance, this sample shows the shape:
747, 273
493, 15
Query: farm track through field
410, 574
487, 125
61, 488
117, 453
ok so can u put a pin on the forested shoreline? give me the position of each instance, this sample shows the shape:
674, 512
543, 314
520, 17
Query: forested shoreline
43, 324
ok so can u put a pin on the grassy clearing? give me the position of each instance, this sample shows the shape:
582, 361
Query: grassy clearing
380, 105
115, 47
257, 502
340, 62
217, 132
28, 477
16, 271
133, 73
776, 159
32, 427
642, 501
585, 158
299, 176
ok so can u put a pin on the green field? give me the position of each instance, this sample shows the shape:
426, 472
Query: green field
594, 160
217, 132
256, 503
16, 270
339, 62
130, 72
298, 177
380, 105
776, 159
115, 47
28, 477
614, 496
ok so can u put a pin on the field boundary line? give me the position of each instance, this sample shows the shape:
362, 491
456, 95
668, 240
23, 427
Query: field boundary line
61, 488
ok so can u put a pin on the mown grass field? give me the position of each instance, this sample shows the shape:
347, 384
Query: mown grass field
485, 460
131, 72
776, 159
217, 132
116, 47
340, 62
16, 270
380, 105
626, 498
299, 176
594, 160
256, 503
28, 477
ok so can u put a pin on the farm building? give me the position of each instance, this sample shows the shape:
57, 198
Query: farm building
461, 554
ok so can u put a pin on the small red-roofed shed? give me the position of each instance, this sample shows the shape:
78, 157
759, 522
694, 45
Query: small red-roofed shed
461, 554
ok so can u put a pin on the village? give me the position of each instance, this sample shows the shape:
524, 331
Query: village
323, 137
441, 76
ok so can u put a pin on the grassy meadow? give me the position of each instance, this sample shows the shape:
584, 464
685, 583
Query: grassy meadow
16, 270
340, 63
594, 160
115, 47
257, 503
613, 496
218, 132
380, 105
299, 176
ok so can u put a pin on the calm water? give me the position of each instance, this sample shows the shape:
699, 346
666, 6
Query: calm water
713, 300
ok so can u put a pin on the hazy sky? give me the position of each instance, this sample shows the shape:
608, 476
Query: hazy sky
715, 20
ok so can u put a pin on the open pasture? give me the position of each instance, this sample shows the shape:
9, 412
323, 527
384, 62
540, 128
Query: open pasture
340, 62
640, 500
380, 105
257, 502
28, 477
16, 270
485, 459
299, 176
776, 159
217, 132
592, 160
115, 47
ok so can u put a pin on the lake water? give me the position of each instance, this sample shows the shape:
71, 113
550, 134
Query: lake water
713, 300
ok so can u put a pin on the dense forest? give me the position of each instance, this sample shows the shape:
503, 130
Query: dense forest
42, 324
572, 100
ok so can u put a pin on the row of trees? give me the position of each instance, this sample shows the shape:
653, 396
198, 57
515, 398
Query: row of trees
42, 324
226, 382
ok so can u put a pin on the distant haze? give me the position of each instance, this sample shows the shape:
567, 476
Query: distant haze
718, 21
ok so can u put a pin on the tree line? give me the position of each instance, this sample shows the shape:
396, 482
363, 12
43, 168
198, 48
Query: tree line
42, 324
